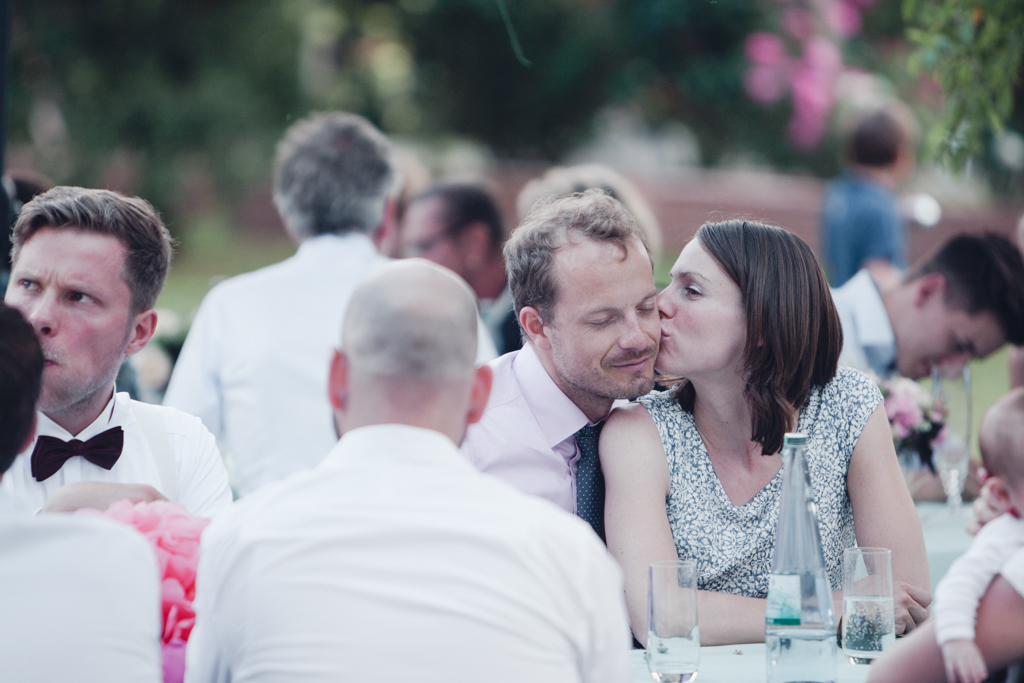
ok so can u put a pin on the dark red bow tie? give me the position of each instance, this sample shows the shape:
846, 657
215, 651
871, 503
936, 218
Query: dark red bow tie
51, 453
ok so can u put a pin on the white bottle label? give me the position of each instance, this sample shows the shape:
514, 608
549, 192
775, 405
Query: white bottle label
783, 607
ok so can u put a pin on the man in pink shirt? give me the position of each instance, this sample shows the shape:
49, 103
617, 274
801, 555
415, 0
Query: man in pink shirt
581, 277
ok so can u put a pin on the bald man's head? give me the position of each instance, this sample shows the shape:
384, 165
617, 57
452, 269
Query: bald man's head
1002, 438
414, 321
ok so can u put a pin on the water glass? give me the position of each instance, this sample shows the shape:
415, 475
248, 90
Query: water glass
868, 616
952, 387
673, 637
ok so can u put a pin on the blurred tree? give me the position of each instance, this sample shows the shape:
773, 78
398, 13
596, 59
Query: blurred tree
143, 86
169, 96
974, 49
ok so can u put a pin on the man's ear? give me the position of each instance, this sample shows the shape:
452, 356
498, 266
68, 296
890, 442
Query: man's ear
337, 381
141, 332
533, 324
481, 391
927, 287
387, 232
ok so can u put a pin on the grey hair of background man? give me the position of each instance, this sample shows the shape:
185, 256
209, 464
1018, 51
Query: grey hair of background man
550, 225
412, 321
333, 174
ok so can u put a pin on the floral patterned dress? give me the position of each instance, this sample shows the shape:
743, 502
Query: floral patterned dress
733, 545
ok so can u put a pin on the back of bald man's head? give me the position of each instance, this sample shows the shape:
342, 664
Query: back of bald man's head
412, 320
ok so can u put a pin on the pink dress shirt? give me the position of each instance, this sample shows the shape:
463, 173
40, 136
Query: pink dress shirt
527, 433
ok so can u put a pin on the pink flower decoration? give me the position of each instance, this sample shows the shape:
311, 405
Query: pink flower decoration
798, 23
764, 84
843, 18
174, 535
765, 48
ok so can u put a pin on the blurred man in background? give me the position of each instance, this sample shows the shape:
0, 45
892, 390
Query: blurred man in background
458, 226
253, 366
395, 555
860, 224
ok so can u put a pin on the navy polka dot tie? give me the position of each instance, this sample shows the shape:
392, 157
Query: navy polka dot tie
590, 479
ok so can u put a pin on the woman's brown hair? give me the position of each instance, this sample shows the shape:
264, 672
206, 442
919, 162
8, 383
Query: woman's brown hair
794, 336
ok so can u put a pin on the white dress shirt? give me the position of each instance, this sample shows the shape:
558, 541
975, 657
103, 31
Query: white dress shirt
80, 599
396, 559
202, 481
958, 593
254, 366
869, 342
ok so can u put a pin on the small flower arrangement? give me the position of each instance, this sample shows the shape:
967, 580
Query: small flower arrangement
916, 419
174, 535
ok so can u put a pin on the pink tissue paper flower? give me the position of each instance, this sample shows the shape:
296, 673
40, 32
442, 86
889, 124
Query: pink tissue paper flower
174, 535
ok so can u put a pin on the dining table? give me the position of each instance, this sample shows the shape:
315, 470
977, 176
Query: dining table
739, 664
945, 538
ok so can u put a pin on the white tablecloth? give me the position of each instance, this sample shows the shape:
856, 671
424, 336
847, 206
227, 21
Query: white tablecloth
739, 664
944, 536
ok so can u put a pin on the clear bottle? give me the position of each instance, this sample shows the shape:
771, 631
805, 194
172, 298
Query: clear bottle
800, 621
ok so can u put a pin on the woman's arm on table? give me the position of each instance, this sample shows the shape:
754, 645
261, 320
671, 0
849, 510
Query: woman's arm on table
918, 659
885, 517
637, 482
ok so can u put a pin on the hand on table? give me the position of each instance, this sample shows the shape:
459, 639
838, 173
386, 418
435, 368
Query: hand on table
98, 495
963, 662
911, 606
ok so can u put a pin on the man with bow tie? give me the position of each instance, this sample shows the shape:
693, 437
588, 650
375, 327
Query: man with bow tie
88, 266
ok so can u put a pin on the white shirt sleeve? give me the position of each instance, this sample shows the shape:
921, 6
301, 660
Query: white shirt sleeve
958, 593
194, 386
203, 486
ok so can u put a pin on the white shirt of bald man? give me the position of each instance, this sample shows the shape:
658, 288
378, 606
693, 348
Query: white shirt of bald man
395, 559
79, 599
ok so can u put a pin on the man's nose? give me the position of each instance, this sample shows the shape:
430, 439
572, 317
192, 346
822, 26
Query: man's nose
634, 336
42, 315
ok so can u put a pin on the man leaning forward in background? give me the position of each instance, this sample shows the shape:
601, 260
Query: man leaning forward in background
394, 558
87, 268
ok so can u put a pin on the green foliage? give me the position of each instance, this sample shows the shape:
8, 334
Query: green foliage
974, 49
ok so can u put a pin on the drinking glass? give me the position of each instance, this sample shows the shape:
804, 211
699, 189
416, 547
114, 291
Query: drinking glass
952, 386
868, 617
673, 638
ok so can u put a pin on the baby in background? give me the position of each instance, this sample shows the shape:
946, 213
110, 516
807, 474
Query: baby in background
957, 595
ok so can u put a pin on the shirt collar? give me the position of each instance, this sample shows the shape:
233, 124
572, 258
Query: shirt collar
329, 247
397, 442
872, 326
114, 414
558, 417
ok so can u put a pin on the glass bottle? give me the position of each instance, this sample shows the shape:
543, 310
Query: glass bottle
800, 621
